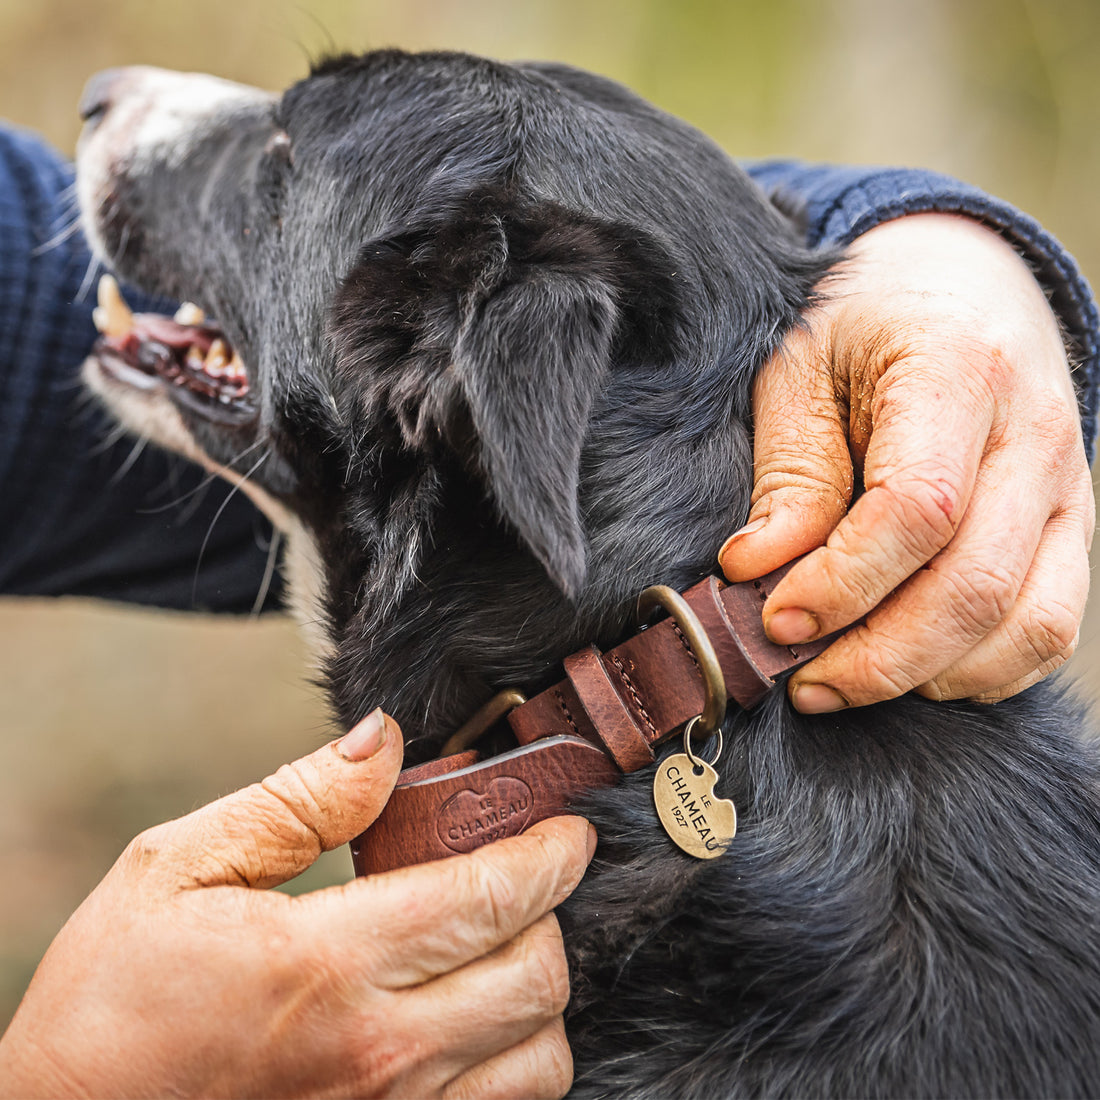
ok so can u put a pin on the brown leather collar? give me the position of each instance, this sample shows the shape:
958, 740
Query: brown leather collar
602, 720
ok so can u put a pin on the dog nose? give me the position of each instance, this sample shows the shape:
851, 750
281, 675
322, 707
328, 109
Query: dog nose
100, 93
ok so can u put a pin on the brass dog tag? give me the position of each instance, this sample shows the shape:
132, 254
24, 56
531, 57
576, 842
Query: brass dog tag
698, 821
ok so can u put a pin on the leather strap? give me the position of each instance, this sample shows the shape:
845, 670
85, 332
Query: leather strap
601, 721
456, 804
637, 694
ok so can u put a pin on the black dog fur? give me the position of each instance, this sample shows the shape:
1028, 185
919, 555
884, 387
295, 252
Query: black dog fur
503, 323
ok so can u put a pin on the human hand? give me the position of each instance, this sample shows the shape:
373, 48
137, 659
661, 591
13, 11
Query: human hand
936, 369
182, 975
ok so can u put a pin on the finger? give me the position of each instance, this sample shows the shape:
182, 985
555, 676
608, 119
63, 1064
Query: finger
802, 468
541, 1067
416, 923
493, 1003
944, 610
273, 830
1040, 632
1006, 691
930, 432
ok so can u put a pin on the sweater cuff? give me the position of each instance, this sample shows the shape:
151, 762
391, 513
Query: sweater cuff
840, 204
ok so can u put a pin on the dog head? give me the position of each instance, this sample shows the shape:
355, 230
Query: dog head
489, 332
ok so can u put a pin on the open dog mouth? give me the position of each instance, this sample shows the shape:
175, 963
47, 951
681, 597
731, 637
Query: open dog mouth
186, 353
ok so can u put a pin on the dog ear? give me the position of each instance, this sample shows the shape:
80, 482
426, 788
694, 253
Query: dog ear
491, 330
530, 361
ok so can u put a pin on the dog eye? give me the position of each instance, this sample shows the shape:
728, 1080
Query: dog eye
278, 147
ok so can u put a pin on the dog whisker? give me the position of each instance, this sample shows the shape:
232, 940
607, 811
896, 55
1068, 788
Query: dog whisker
128, 462
269, 573
217, 515
205, 483
89, 280
58, 238
110, 439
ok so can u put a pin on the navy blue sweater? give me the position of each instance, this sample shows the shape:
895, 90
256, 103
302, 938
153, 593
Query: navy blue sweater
82, 514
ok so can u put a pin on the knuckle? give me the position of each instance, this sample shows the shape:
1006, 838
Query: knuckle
994, 360
1006, 691
291, 789
982, 593
545, 970
794, 480
558, 863
874, 669
951, 684
380, 1060
897, 526
1088, 498
1066, 450
1054, 424
1049, 631
147, 847
855, 586
252, 841
554, 1063
998, 694
927, 509
491, 891
877, 682
937, 690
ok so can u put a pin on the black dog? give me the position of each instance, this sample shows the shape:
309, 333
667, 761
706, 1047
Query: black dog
491, 334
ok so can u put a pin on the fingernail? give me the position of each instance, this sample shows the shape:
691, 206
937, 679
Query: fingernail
748, 529
590, 842
817, 699
365, 739
790, 625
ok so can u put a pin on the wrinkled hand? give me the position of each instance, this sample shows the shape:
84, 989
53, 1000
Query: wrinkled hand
181, 975
935, 370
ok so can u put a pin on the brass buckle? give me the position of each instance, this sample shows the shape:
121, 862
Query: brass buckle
714, 683
474, 726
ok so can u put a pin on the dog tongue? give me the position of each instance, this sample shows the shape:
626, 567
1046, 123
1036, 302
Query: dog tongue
114, 319
155, 326
186, 349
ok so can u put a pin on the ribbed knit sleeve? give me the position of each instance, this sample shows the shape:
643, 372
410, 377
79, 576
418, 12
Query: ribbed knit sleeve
81, 513
841, 203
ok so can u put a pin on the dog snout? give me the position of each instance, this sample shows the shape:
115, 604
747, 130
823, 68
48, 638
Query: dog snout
153, 101
100, 93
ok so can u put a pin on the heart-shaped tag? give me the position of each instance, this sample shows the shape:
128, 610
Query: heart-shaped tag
697, 820
469, 819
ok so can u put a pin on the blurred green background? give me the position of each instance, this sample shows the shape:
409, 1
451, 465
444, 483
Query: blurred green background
113, 719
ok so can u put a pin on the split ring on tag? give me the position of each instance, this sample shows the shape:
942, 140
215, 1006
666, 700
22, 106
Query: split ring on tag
697, 820
689, 729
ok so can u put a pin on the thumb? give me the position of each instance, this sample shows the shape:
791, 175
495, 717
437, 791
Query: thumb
269, 832
802, 470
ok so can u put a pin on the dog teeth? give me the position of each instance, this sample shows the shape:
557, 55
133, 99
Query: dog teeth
234, 370
112, 317
195, 358
217, 359
189, 314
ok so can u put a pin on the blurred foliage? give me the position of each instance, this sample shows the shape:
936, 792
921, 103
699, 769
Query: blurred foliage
1004, 93
115, 719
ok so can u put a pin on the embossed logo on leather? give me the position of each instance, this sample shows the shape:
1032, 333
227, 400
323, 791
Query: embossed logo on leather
469, 819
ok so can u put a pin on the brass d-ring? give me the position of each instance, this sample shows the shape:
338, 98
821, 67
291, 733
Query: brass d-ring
714, 683
490, 712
